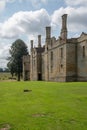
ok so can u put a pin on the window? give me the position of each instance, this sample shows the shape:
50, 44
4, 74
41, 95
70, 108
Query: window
51, 43
61, 66
51, 61
61, 69
61, 52
83, 51
51, 56
34, 62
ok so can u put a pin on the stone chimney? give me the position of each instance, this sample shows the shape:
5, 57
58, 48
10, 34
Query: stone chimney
31, 45
48, 32
64, 27
39, 40
48, 38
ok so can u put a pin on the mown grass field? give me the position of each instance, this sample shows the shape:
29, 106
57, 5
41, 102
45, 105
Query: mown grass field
49, 106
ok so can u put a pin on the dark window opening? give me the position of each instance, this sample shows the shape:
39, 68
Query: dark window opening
51, 62
34, 62
61, 52
26, 75
51, 43
61, 66
83, 51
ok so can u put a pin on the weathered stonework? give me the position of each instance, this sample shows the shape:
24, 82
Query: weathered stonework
60, 59
26, 67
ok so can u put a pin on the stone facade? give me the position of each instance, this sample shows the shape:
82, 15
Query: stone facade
26, 67
61, 59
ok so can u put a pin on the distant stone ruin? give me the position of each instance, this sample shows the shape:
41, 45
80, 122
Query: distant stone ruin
60, 60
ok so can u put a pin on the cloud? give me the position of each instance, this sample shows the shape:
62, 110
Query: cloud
32, 22
27, 24
4, 53
76, 2
77, 20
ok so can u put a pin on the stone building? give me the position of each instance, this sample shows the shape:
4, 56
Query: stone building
61, 59
26, 67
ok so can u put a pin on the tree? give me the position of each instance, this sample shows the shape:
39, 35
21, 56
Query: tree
1, 69
17, 50
6, 70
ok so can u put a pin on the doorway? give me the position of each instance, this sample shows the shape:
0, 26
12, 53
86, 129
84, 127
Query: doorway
40, 76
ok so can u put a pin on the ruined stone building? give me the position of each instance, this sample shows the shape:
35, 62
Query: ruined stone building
61, 59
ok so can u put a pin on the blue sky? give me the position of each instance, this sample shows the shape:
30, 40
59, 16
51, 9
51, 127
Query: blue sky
26, 19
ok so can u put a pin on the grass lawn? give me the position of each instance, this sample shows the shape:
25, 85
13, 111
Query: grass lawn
49, 106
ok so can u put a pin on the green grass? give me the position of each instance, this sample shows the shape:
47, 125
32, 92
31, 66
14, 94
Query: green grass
49, 106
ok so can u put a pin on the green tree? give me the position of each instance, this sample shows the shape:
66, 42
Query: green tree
1, 69
17, 50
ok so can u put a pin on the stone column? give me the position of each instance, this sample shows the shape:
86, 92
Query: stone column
64, 27
31, 45
64, 21
31, 61
48, 37
39, 40
48, 32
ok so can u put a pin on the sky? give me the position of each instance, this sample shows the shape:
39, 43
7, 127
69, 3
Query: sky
26, 19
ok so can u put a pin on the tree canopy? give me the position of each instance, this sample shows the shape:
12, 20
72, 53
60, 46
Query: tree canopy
17, 50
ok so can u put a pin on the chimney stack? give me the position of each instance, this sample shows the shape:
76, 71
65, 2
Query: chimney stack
31, 45
39, 40
48, 32
64, 27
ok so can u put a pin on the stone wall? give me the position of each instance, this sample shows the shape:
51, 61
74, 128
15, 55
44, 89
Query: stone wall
26, 67
71, 61
34, 65
82, 58
55, 64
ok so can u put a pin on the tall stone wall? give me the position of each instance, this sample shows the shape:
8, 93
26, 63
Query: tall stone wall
55, 64
43, 67
34, 65
82, 58
71, 61
26, 67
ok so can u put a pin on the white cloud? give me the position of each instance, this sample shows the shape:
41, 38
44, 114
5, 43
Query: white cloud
77, 20
32, 22
4, 53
